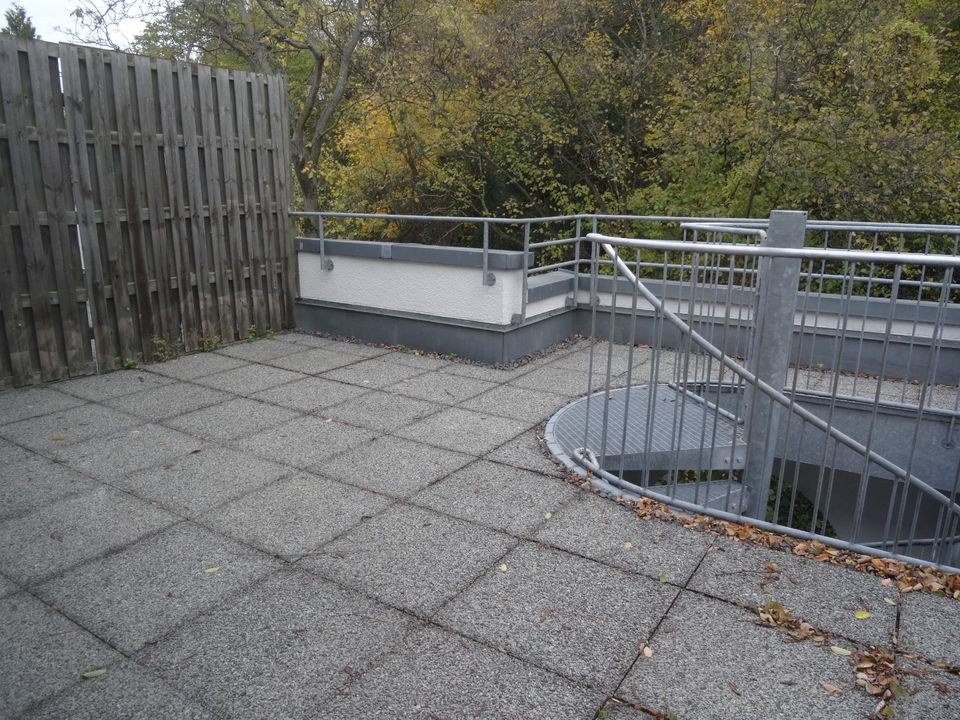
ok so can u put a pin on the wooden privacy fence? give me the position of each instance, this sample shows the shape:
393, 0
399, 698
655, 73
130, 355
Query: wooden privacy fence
143, 205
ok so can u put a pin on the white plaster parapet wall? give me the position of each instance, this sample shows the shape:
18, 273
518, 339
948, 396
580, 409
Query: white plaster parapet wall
440, 282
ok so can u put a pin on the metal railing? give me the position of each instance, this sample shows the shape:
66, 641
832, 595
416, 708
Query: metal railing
864, 458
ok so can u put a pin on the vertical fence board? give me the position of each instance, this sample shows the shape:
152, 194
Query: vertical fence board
83, 198
254, 249
225, 109
27, 190
147, 199
176, 195
267, 223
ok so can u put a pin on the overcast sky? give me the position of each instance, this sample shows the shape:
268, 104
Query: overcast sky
50, 14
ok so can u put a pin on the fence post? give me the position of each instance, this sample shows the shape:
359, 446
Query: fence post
769, 356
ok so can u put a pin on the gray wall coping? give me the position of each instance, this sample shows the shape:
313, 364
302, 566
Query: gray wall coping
415, 252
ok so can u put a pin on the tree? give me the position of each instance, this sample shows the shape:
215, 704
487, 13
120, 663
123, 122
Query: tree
19, 24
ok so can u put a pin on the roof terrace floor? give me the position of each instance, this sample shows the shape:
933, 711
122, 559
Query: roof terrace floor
305, 528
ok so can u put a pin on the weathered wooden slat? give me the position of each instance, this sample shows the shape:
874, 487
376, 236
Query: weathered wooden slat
280, 165
58, 197
27, 191
167, 325
83, 199
15, 322
251, 221
180, 241
115, 260
209, 322
215, 203
267, 219
135, 247
241, 303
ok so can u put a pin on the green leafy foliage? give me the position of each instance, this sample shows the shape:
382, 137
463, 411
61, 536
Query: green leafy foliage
845, 108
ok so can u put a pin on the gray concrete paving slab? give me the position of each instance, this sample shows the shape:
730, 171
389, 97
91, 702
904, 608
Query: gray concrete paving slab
7, 586
35, 482
103, 387
138, 595
59, 535
376, 372
710, 660
111, 457
41, 652
930, 626
616, 536
614, 710
464, 430
560, 381
13, 454
524, 498
485, 372
410, 558
441, 387
380, 410
31, 402
393, 466
168, 401
419, 360
231, 419
49, 433
825, 595
280, 651
249, 379
312, 361
189, 367
307, 339
929, 693
125, 691
305, 441
310, 394
437, 674
202, 480
362, 349
576, 617
258, 351
515, 402
526, 451
619, 363
294, 516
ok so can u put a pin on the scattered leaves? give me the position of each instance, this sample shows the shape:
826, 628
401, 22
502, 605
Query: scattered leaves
831, 689
861, 614
503, 567
904, 577
840, 650
91, 674
212, 570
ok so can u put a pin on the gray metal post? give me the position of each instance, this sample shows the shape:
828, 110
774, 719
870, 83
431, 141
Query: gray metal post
769, 356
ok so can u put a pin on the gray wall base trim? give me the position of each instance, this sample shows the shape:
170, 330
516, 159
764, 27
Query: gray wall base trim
503, 344
495, 345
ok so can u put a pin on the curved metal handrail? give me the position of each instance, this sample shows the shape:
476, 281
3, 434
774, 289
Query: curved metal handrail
586, 459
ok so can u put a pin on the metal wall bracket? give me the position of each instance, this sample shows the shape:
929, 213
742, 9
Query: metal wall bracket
328, 264
489, 279
516, 319
570, 301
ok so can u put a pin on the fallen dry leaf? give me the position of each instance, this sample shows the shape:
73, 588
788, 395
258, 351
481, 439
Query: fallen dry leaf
861, 614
